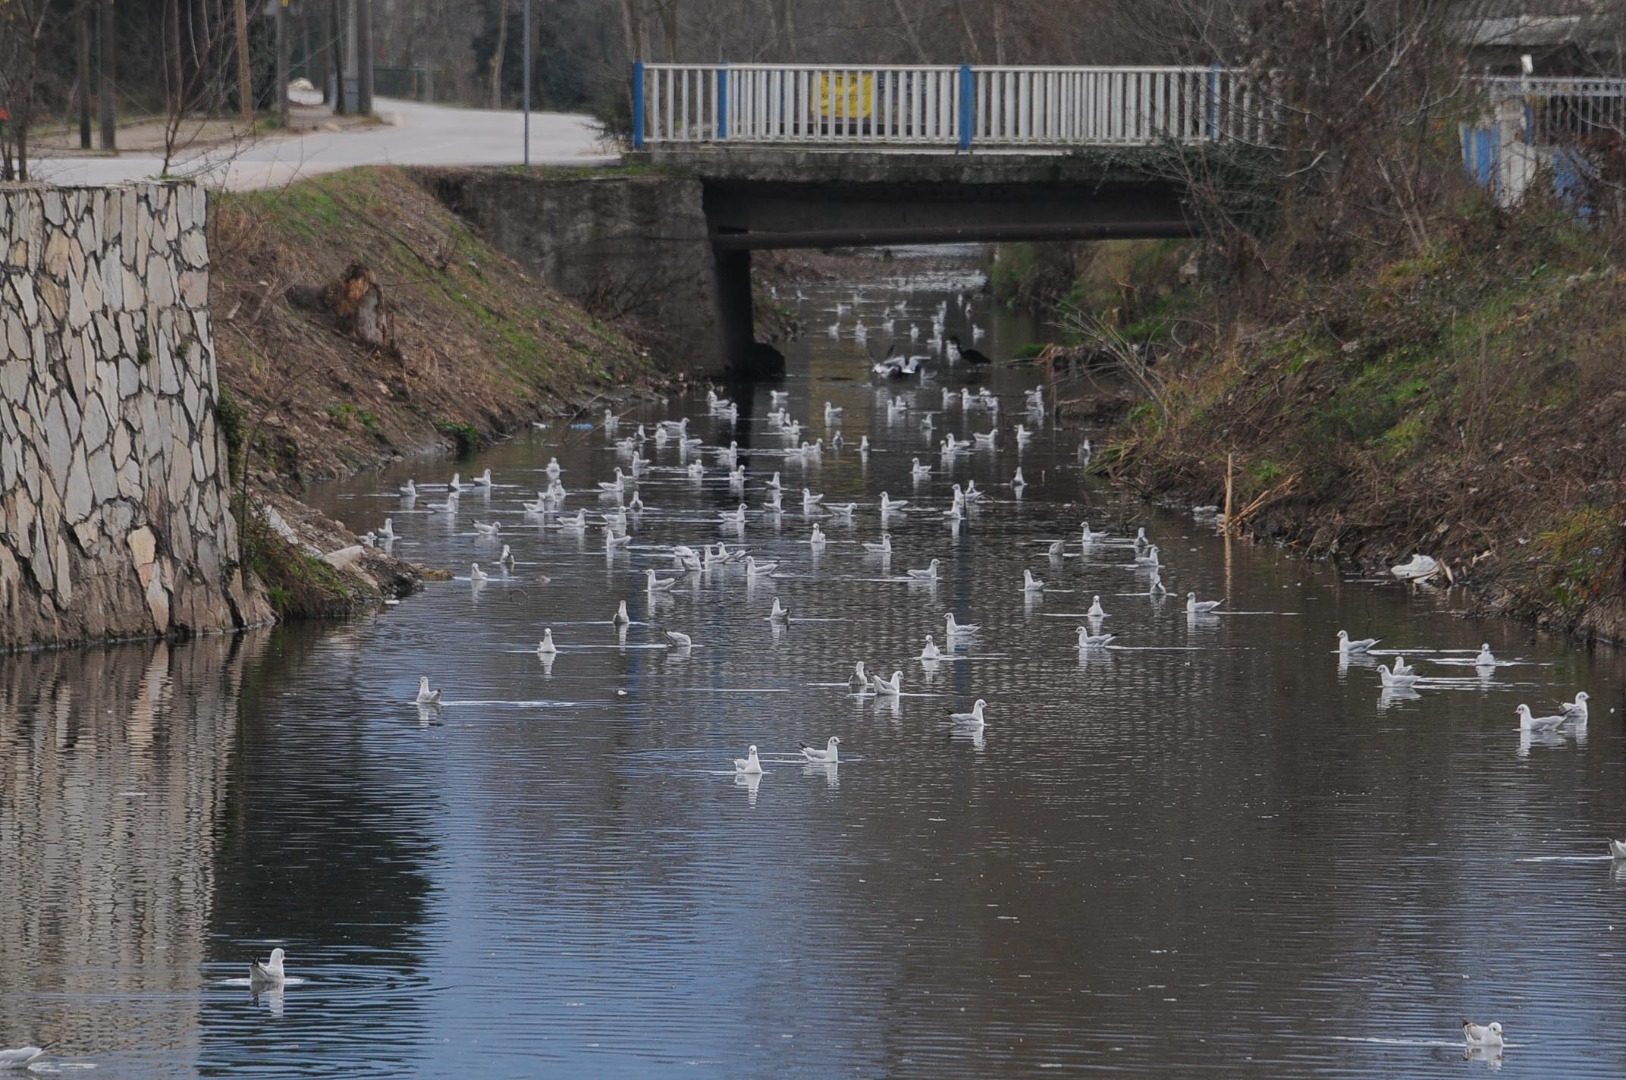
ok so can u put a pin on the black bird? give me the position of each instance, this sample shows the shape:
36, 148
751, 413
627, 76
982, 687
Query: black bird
970, 356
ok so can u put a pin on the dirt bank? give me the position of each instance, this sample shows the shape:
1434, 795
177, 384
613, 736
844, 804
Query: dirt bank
1468, 402
357, 321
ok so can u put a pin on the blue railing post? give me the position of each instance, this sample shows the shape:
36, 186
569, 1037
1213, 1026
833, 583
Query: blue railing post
1214, 101
968, 106
722, 102
638, 105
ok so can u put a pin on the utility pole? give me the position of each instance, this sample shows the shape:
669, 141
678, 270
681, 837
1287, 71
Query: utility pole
245, 80
364, 57
282, 61
107, 100
84, 78
527, 67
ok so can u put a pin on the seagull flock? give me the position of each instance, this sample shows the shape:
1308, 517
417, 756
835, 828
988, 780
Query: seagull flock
616, 517
620, 504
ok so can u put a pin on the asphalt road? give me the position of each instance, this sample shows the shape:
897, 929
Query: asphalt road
413, 134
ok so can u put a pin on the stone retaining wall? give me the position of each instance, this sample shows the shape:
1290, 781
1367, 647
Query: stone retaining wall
114, 516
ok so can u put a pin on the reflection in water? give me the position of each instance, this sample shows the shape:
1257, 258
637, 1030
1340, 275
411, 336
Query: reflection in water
116, 766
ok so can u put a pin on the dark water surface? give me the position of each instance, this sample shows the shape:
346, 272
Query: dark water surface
1211, 850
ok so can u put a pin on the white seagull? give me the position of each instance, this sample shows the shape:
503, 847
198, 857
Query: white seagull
974, 717
18, 1057
1485, 658
487, 530
860, 675
477, 575
756, 569
658, 584
1575, 710
1096, 610
546, 647
426, 696
268, 974
889, 504
1031, 583
409, 489
1195, 606
621, 616
1617, 848
892, 687
958, 629
1482, 1034
827, 756
1536, 723
931, 651
779, 613
1394, 681
928, 574
1350, 646
883, 548
1087, 640
749, 763
481, 481
681, 640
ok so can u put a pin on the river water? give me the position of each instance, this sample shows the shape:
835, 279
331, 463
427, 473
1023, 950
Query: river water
1207, 848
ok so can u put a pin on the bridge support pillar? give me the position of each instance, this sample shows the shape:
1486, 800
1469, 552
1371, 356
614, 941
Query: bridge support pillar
736, 329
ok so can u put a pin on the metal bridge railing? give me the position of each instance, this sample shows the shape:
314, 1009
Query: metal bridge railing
953, 107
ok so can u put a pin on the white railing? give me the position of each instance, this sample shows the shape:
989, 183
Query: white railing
963, 107
1563, 109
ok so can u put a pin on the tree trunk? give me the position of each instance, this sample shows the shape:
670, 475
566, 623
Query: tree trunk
970, 34
84, 78
319, 57
669, 29
282, 61
107, 100
245, 78
496, 57
909, 33
364, 57
338, 57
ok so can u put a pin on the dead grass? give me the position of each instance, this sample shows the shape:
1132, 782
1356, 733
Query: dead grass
481, 347
1468, 402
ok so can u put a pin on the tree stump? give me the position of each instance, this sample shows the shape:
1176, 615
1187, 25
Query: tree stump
358, 305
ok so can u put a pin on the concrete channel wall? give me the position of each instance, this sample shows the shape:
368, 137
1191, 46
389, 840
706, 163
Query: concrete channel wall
634, 245
114, 515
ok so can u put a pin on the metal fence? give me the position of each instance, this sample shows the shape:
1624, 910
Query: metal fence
959, 107
1560, 110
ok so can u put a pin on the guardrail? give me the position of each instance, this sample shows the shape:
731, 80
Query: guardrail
961, 107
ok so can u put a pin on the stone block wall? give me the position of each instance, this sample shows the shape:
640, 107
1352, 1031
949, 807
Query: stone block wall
114, 515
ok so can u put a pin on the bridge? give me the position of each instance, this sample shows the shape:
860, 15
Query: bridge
762, 156
805, 155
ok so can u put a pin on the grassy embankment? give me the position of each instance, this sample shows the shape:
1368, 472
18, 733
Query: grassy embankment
1467, 402
480, 348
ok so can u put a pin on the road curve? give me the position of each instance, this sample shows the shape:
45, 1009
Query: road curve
412, 134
